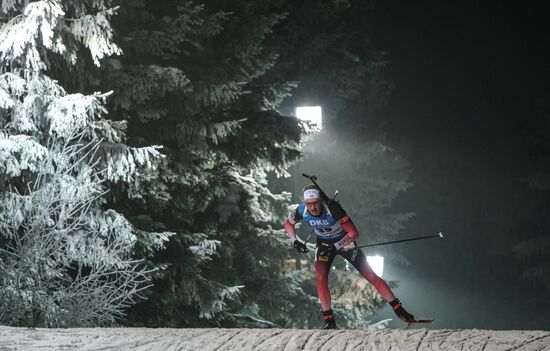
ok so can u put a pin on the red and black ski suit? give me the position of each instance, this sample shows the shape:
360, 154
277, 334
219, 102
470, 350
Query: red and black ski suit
332, 226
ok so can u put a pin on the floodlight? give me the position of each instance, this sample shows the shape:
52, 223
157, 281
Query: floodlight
312, 114
377, 264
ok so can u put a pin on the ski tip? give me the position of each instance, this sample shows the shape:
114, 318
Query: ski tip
440, 234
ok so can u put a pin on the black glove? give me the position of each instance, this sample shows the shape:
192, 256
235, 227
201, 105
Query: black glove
326, 249
300, 246
401, 312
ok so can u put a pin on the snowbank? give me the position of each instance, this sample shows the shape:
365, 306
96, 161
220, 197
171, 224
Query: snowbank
270, 339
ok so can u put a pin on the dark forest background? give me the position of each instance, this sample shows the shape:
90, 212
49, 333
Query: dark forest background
470, 113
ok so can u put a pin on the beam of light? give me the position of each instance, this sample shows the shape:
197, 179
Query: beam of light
312, 114
377, 264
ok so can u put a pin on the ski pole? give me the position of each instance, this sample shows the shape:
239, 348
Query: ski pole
440, 235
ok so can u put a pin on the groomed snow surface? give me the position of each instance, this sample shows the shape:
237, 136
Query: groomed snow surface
269, 339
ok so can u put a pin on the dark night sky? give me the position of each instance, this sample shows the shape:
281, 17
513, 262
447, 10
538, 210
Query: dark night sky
467, 77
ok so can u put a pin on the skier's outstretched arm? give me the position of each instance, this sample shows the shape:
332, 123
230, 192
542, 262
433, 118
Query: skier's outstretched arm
290, 230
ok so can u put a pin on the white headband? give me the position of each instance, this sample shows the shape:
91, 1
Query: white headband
311, 194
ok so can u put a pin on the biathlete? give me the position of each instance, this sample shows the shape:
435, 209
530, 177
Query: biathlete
336, 235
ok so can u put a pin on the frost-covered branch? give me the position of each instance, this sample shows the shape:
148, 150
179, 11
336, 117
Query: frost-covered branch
38, 27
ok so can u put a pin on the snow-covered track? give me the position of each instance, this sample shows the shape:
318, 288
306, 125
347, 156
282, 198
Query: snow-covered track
270, 339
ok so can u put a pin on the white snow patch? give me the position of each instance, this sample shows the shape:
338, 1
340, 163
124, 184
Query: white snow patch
270, 339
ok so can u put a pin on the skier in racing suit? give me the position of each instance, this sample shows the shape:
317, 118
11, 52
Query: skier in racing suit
336, 235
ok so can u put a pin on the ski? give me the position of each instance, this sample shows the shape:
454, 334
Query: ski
411, 325
417, 321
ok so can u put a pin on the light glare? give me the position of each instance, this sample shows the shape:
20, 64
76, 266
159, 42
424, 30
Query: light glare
377, 264
313, 114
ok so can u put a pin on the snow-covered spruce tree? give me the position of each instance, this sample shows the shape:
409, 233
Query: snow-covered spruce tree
188, 81
65, 260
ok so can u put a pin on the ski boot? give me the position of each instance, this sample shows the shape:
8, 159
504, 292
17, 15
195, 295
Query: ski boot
401, 312
330, 323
